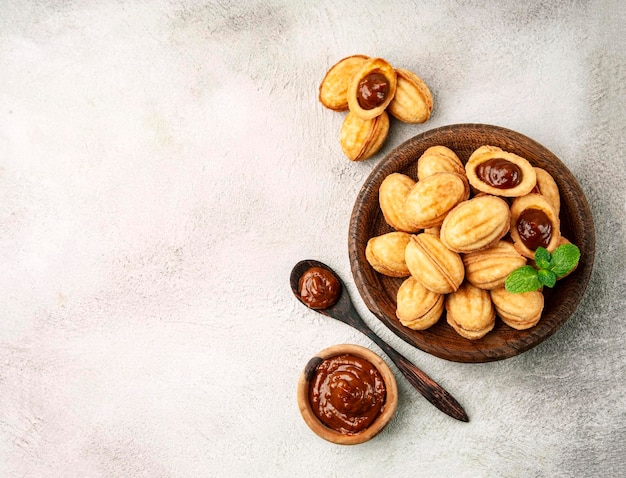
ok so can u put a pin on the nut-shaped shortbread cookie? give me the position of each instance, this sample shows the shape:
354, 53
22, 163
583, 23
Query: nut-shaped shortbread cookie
489, 268
497, 172
418, 308
386, 253
470, 311
434, 265
371, 88
476, 224
334, 87
438, 159
360, 139
430, 200
546, 186
391, 196
413, 101
534, 223
520, 311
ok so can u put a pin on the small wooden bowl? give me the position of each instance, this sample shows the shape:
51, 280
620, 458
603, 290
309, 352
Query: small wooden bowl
389, 409
379, 292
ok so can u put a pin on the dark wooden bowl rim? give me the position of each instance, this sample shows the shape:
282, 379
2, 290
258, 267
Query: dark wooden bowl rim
379, 292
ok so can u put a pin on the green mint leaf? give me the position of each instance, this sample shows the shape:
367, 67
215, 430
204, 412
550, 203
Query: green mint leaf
542, 258
546, 277
564, 259
522, 279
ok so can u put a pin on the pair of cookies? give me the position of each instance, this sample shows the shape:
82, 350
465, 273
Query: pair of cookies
411, 206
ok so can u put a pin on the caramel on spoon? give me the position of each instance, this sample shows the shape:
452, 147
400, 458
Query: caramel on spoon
343, 310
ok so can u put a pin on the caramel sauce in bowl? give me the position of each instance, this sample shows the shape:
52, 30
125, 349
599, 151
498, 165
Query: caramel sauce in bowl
350, 376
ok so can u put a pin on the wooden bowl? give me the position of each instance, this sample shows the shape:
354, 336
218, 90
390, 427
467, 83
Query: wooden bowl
379, 292
389, 409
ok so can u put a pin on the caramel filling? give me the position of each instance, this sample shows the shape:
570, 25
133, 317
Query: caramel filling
534, 228
373, 90
347, 393
319, 288
499, 173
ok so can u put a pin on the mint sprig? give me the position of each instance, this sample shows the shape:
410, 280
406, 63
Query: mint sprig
564, 259
546, 277
550, 267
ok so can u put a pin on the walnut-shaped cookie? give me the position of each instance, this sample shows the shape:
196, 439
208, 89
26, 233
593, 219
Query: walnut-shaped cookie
438, 159
491, 170
489, 268
371, 88
470, 312
430, 200
417, 307
386, 253
434, 265
520, 311
476, 224
360, 139
547, 187
413, 101
391, 196
534, 223
334, 87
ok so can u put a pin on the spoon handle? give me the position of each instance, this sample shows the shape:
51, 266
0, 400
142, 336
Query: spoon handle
425, 385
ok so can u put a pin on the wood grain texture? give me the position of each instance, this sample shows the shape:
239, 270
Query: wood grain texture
379, 292
345, 312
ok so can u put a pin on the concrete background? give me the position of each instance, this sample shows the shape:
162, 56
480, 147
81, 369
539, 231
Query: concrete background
163, 165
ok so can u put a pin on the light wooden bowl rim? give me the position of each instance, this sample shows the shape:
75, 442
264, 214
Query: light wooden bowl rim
333, 436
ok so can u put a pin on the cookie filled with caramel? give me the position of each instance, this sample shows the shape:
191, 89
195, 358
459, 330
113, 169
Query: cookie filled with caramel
372, 88
418, 307
386, 253
534, 223
494, 171
476, 224
470, 311
392, 194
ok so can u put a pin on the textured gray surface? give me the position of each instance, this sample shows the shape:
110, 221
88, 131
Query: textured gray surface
163, 165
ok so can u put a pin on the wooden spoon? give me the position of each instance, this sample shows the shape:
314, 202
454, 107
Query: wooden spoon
344, 311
